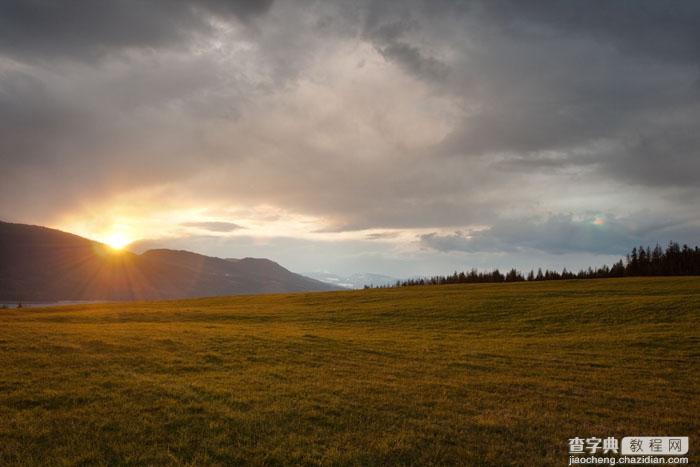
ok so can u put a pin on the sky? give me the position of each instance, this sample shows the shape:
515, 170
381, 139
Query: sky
395, 137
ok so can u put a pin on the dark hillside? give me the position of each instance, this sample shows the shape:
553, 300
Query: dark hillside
41, 264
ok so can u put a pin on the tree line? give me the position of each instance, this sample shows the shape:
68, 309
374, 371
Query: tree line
673, 261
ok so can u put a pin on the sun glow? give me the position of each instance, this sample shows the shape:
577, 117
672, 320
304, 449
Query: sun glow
117, 240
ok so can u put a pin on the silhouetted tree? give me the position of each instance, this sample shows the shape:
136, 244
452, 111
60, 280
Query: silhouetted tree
641, 261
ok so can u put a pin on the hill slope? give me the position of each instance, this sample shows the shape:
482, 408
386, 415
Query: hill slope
494, 374
41, 264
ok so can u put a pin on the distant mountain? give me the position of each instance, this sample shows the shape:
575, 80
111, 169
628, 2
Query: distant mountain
354, 281
42, 264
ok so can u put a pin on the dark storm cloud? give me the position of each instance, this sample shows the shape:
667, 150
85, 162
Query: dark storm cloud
368, 115
390, 40
29, 109
661, 30
555, 76
559, 234
85, 29
412, 58
665, 156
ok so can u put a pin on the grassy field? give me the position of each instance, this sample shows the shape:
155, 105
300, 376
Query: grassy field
493, 374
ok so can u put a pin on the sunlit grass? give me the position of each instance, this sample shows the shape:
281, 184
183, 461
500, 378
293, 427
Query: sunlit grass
472, 374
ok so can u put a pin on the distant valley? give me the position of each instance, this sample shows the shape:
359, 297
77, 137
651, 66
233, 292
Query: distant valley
354, 281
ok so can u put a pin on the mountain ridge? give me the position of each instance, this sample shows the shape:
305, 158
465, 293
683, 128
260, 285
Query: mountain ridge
38, 263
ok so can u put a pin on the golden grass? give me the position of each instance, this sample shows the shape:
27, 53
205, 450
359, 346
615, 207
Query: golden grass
491, 374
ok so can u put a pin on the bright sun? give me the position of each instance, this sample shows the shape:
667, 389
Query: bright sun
117, 240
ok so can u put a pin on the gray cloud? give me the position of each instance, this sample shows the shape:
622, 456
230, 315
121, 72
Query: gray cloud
559, 76
412, 58
668, 155
214, 226
381, 235
85, 30
368, 115
562, 233
662, 31
390, 39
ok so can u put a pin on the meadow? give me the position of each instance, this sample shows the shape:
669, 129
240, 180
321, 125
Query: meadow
492, 374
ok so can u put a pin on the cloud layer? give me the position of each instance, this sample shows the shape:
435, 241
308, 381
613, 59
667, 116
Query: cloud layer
514, 124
